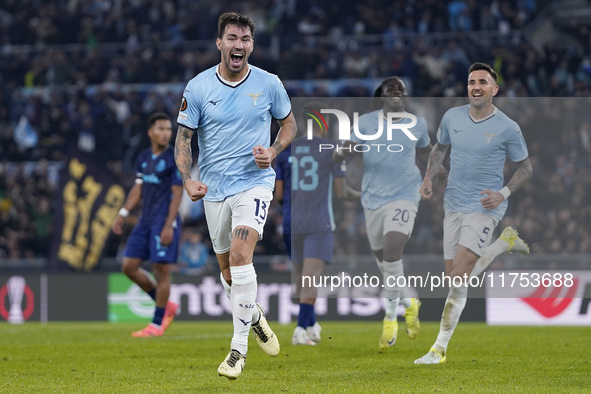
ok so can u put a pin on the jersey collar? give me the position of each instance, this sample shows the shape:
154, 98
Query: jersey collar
154, 155
494, 112
231, 84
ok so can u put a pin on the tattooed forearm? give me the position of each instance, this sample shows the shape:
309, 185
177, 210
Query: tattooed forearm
436, 159
182, 152
278, 146
241, 233
522, 175
286, 134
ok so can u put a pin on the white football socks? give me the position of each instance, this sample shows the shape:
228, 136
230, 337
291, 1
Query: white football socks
404, 295
392, 270
226, 286
392, 309
454, 305
489, 254
255, 313
405, 300
242, 298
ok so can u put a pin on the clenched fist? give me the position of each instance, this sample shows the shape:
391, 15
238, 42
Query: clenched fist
195, 189
262, 156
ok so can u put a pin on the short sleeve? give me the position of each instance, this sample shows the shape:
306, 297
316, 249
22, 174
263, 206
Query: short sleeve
176, 177
516, 147
280, 105
424, 139
189, 113
443, 131
139, 171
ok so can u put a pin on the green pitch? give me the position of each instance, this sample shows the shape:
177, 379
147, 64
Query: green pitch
104, 358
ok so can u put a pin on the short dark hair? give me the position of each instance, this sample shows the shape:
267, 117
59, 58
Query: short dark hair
156, 117
483, 66
234, 18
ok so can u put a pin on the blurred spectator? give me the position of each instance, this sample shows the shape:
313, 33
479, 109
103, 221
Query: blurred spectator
193, 254
26, 218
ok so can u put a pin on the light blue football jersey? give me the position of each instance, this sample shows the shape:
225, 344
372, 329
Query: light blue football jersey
478, 154
230, 121
389, 176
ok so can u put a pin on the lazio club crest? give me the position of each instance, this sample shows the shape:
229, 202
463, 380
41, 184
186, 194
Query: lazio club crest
489, 137
254, 97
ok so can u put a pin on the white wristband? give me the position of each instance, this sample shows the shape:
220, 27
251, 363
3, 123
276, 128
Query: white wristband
505, 192
123, 212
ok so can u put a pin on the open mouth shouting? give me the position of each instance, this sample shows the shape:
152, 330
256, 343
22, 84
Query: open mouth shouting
237, 60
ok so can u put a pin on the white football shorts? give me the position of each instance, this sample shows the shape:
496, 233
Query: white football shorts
472, 230
396, 216
248, 208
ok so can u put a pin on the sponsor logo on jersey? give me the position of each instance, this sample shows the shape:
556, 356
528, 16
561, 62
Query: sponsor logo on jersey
161, 166
151, 178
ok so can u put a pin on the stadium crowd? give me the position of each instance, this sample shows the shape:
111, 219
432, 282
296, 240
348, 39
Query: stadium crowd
88, 73
80, 43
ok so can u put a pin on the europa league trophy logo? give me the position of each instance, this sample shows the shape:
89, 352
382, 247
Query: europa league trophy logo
16, 290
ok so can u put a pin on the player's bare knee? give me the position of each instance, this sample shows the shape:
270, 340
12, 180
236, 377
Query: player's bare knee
392, 255
242, 248
394, 246
161, 272
240, 256
124, 269
128, 268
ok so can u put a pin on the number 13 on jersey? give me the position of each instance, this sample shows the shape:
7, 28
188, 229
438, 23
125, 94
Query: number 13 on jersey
308, 167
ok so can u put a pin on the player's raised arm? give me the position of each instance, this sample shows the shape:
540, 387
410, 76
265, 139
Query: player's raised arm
435, 160
184, 160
